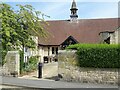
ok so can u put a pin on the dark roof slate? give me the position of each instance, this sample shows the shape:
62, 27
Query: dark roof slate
85, 31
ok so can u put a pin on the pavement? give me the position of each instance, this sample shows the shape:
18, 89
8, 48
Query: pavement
8, 86
50, 71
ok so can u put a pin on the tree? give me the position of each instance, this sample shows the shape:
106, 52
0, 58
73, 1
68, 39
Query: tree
17, 27
29, 20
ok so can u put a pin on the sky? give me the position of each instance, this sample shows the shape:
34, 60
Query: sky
60, 9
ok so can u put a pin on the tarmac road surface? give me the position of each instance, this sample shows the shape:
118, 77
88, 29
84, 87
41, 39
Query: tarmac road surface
40, 83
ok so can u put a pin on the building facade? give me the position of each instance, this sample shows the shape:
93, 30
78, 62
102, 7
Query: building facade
62, 33
112, 37
115, 37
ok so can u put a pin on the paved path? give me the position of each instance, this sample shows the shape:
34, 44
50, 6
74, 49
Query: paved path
39, 83
8, 86
50, 71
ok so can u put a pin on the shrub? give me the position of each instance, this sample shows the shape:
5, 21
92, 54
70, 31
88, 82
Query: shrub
97, 55
2, 56
31, 64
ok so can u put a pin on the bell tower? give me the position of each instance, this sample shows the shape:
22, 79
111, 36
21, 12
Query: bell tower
73, 10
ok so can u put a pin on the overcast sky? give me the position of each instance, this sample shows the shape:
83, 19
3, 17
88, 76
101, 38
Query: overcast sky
60, 9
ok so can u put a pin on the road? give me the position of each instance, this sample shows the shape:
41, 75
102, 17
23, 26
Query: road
40, 83
50, 70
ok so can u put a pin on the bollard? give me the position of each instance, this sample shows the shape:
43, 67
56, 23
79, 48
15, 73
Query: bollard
40, 70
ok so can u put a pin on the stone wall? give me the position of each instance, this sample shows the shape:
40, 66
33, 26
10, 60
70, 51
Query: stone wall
68, 70
12, 65
115, 37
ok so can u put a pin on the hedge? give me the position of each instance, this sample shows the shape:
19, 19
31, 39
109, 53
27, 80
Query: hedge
97, 55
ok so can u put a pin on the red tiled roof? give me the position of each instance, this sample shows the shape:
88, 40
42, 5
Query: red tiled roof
85, 31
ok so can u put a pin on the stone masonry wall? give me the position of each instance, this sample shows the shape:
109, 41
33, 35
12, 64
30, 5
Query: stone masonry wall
70, 72
12, 65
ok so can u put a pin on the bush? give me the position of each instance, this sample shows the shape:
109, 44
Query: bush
32, 64
97, 55
3, 54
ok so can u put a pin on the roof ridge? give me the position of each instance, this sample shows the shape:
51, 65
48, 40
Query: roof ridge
85, 19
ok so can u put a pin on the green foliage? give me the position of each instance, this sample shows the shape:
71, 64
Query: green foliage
74, 47
3, 52
8, 26
18, 26
77, 46
31, 64
97, 55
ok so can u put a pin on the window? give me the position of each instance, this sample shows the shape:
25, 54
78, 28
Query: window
56, 50
53, 50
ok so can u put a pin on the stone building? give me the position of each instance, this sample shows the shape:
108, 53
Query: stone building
115, 39
62, 33
28, 52
110, 37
